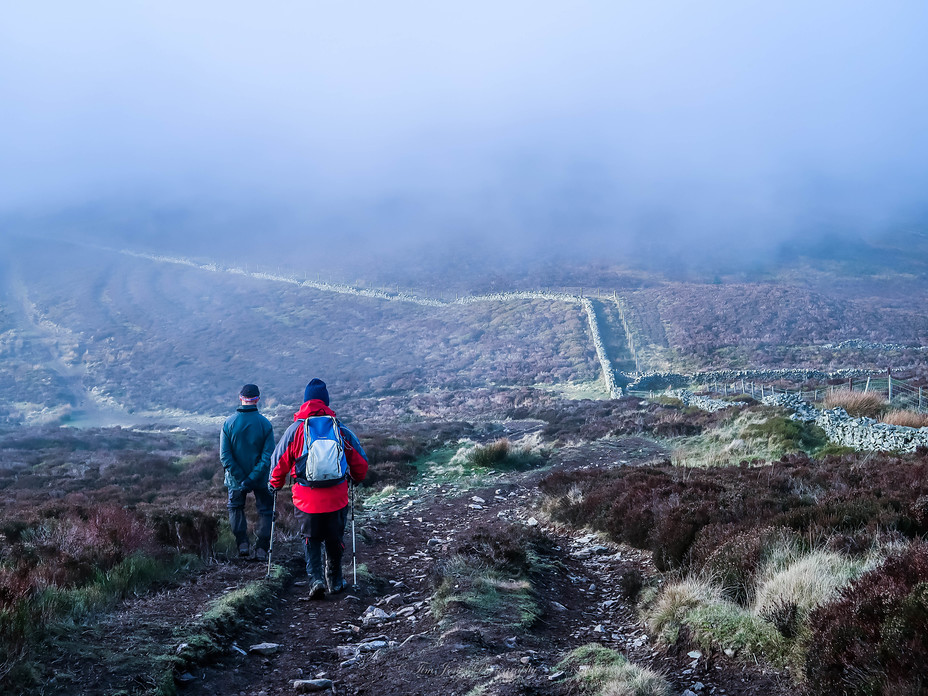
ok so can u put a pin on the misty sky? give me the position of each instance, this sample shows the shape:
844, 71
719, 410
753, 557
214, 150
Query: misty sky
537, 125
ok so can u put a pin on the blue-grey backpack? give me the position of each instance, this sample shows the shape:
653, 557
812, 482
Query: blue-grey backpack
323, 463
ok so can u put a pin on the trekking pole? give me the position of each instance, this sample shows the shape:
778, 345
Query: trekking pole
270, 547
354, 555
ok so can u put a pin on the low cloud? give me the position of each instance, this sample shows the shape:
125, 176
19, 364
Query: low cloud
610, 130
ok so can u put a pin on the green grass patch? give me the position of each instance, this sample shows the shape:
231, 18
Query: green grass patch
202, 642
605, 672
832, 449
133, 574
671, 401
576, 391
486, 594
789, 435
725, 625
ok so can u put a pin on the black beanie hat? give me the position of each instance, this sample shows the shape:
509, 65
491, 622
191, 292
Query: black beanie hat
250, 391
316, 390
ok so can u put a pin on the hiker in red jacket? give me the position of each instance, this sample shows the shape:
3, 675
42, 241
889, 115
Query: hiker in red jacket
320, 502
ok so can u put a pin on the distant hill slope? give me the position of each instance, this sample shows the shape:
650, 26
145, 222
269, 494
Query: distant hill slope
131, 333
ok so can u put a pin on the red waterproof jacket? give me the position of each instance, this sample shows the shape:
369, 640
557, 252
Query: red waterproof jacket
290, 448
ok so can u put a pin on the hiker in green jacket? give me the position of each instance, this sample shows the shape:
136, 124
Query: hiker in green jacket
245, 447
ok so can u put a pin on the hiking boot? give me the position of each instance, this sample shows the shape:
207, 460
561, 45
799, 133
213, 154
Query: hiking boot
243, 549
336, 586
317, 591
314, 569
260, 554
334, 579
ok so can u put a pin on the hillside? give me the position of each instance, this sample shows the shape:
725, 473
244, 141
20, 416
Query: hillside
94, 329
98, 336
520, 531
508, 542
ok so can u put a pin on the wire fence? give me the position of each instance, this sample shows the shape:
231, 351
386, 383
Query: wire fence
898, 393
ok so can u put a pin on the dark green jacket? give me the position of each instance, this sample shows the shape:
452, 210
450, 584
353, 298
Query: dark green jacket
245, 448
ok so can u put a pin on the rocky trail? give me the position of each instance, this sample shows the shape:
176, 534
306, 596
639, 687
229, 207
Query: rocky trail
381, 637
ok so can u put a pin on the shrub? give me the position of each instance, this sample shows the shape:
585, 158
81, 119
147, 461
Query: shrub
631, 581
390, 473
187, 530
909, 419
856, 403
874, 640
667, 510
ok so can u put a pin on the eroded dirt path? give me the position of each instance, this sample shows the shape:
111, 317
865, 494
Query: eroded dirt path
381, 637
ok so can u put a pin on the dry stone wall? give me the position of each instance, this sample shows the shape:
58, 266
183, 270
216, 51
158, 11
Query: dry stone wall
848, 431
649, 381
609, 376
702, 402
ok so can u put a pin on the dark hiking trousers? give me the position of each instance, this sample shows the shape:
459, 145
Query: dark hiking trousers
322, 529
264, 503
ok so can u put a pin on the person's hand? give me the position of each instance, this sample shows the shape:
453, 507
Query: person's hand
271, 489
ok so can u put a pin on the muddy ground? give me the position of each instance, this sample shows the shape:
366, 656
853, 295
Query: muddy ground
401, 542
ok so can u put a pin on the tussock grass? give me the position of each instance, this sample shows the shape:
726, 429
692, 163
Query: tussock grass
728, 444
856, 403
489, 455
807, 581
790, 586
605, 672
711, 621
669, 610
471, 462
909, 419
500, 454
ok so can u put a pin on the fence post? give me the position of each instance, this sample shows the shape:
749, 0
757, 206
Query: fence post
890, 382
867, 385
742, 386
919, 398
